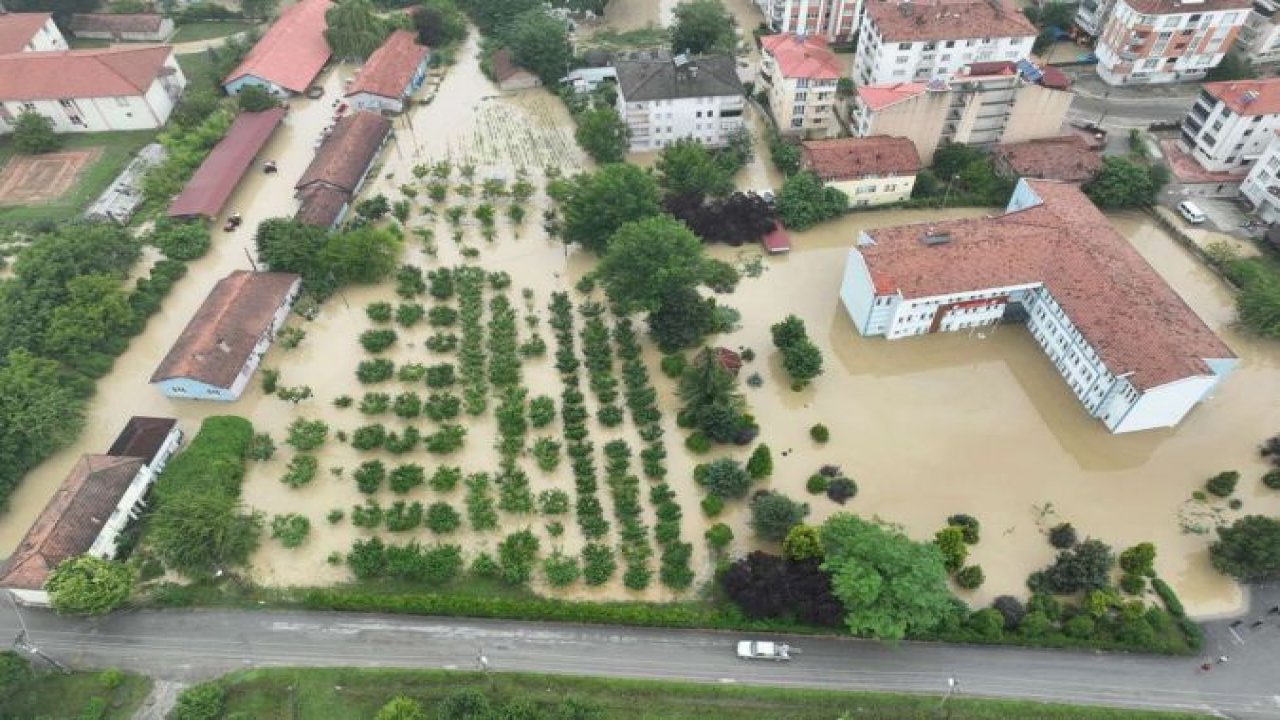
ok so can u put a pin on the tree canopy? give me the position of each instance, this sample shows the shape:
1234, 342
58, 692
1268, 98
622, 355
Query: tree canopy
33, 134
889, 584
701, 27
539, 42
196, 534
439, 22
804, 201
1248, 549
648, 261
88, 585
354, 29
491, 15
401, 708
711, 402
773, 515
602, 134
687, 168
599, 203
325, 260
1122, 183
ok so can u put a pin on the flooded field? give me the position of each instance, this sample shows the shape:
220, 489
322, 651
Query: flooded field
976, 423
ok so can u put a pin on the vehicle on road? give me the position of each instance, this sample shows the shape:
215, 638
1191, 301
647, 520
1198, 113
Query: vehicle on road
1191, 212
763, 650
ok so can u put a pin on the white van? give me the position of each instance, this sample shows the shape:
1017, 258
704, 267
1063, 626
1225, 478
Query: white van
1191, 212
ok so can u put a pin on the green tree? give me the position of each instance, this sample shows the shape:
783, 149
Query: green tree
602, 134
724, 478
354, 29
15, 673
687, 169
1051, 14
88, 585
439, 22
950, 540
710, 399
649, 260
258, 9
701, 27
889, 584
1232, 67
285, 245
601, 202
206, 701
39, 413
760, 464
491, 15
33, 134
197, 533
1258, 306
683, 320
401, 708
255, 98
96, 309
1248, 549
364, 255
539, 41
804, 201
774, 514
1121, 183
803, 542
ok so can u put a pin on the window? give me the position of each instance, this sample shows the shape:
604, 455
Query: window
904, 46
1152, 65
698, 114
802, 96
122, 102
945, 58
950, 44
802, 83
797, 122
901, 59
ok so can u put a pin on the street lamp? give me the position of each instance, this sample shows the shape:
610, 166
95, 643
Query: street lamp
947, 194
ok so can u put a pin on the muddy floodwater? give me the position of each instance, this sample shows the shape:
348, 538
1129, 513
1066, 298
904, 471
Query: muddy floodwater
978, 423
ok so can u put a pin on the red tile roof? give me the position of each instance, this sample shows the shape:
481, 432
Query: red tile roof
17, 29
1122, 307
348, 152
1247, 97
206, 193
142, 437
852, 158
878, 97
1054, 78
390, 68
216, 344
58, 74
320, 205
1180, 7
801, 56
116, 22
948, 20
292, 51
71, 522
504, 66
1068, 158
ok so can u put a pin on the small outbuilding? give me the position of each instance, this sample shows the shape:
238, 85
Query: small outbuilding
92, 507
122, 27
220, 348
509, 75
392, 73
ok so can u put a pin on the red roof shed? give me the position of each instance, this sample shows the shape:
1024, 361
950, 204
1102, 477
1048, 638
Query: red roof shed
208, 190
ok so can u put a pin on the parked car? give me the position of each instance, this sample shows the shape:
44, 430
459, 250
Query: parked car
1191, 212
762, 650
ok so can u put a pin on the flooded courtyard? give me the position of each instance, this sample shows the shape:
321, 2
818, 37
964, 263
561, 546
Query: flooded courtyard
976, 423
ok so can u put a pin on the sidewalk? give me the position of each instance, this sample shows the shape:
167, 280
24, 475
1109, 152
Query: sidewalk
1088, 84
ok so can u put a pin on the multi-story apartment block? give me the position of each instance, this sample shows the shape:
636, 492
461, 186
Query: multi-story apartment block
1231, 123
663, 100
1131, 350
916, 41
835, 20
1261, 188
984, 104
1260, 37
1160, 41
799, 75
1091, 14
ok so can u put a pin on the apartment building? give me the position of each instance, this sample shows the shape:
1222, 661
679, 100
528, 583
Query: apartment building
1132, 351
1091, 14
835, 20
664, 99
1231, 123
799, 75
1261, 188
1160, 41
917, 41
1259, 39
983, 104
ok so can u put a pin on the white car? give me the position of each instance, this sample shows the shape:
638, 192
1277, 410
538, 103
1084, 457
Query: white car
760, 650
1191, 212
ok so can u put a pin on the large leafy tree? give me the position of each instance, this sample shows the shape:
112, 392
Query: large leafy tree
1086, 566
258, 9
710, 400
1248, 549
539, 42
774, 514
1122, 183
33, 134
686, 168
889, 584
354, 29
602, 134
289, 246
491, 15
1259, 306
767, 586
363, 255
439, 22
96, 309
88, 585
599, 203
198, 533
39, 413
804, 201
650, 260
702, 26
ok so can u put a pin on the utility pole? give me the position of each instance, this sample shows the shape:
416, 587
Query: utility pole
24, 642
1105, 108
953, 687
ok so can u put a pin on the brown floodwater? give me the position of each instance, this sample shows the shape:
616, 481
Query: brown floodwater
977, 423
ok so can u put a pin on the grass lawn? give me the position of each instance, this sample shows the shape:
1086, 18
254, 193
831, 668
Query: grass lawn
117, 149
197, 66
88, 43
340, 694
208, 30
52, 695
607, 39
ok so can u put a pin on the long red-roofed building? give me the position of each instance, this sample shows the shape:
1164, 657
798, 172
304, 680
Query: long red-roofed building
390, 75
290, 54
1133, 352
208, 190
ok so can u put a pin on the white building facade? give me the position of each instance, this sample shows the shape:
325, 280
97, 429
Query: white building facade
1162, 41
799, 75
30, 32
661, 102
835, 20
915, 42
1259, 39
1261, 188
1231, 123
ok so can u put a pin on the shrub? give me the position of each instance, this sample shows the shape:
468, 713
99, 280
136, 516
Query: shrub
442, 518
408, 314
205, 701
547, 453
290, 529
1086, 566
375, 341
368, 437
987, 624
307, 434
342, 401
1133, 584
560, 570
261, 447
712, 505
820, 433
401, 516
442, 316
270, 379
969, 524
181, 240
1012, 609
773, 514
369, 476
1062, 536
445, 478
553, 502
719, 536
375, 371
335, 516
841, 489
760, 465
406, 477
368, 515
485, 566
803, 542
610, 415
1139, 560
673, 365
950, 540
725, 478
817, 484
442, 406
407, 405
1081, 627
516, 555
375, 403
1272, 479
445, 440
441, 376
379, 312
970, 577
1223, 484
442, 342
300, 471
598, 564
400, 443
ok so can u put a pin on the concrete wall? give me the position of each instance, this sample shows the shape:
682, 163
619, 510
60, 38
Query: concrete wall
1038, 112
919, 119
1165, 406
870, 192
34, 598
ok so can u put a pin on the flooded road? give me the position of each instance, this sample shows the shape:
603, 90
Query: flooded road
976, 423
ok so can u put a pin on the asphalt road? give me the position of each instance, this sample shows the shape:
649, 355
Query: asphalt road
190, 645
